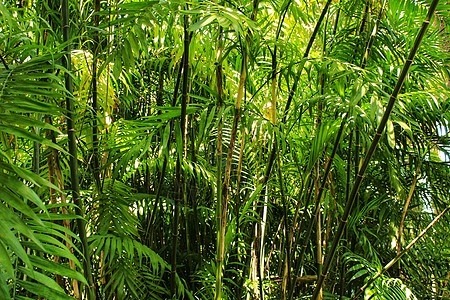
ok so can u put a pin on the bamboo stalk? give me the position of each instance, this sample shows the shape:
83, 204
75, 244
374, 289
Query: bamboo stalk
286, 283
164, 165
219, 86
73, 154
291, 95
374, 144
405, 209
294, 87
305, 57
226, 181
178, 176
347, 195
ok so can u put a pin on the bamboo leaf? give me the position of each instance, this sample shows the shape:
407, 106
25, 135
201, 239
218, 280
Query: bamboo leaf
43, 291
56, 268
5, 260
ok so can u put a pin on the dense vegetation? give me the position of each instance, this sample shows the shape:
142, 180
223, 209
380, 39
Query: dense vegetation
224, 149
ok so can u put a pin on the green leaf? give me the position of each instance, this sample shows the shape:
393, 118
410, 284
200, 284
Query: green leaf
43, 291
359, 274
201, 23
56, 268
10, 240
5, 260
23, 133
359, 90
11, 199
42, 279
390, 133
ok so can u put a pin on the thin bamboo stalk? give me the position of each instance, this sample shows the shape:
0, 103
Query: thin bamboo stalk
347, 195
305, 57
164, 165
219, 86
179, 175
91, 295
294, 87
318, 219
405, 209
286, 283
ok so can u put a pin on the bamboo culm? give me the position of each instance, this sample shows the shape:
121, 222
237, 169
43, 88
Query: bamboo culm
73, 154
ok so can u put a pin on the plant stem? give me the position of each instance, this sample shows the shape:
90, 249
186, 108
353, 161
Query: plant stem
219, 85
405, 209
73, 153
179, 175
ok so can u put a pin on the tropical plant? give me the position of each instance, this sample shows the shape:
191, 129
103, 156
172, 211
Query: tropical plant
224, 149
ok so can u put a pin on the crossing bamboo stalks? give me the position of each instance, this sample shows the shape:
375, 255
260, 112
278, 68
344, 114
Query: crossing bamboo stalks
405, 209
373, 146
305, 57
329, 164
398, 256
294, 88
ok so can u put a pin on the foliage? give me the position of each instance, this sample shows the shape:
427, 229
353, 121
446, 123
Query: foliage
217, 145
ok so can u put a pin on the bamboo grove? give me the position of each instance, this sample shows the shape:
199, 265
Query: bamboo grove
224, 149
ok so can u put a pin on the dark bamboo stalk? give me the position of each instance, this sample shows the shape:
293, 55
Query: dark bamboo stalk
219, 102
5, 64
164, 165
372, 37
318, 198
347, 195
236, 120
227, 175
305, 57
179, 175
36, 153
73, 154
374, 144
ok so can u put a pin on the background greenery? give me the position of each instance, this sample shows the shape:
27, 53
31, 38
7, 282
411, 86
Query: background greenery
215, 147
